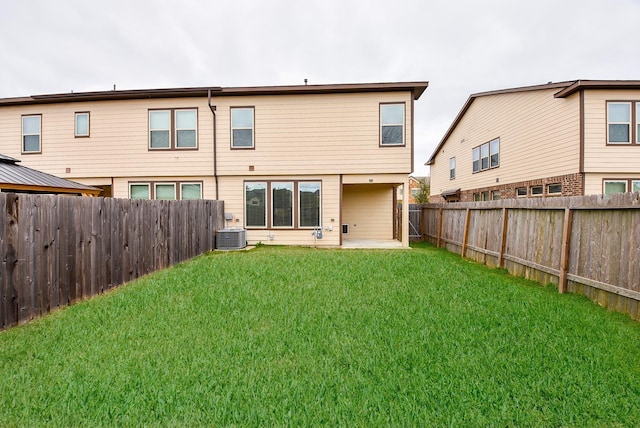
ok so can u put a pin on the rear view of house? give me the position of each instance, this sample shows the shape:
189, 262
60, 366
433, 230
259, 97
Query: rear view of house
570, 138
294, 164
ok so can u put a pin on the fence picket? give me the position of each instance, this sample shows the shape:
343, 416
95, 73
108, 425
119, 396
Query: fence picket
61, 249
587, 245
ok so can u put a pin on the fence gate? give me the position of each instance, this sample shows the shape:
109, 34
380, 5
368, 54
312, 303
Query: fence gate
415, 214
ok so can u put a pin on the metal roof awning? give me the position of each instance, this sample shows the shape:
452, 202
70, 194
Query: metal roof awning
18, 178
450, 192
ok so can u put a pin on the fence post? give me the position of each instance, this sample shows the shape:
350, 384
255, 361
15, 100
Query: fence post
439, 227
566, 247
465, 240
503, 245
10, 292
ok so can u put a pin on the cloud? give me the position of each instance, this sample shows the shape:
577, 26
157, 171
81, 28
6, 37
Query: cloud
460, 47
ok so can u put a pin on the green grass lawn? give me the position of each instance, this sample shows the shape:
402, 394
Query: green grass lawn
301, 337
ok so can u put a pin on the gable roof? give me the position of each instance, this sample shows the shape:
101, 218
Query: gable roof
20, 178
566, 89
416, 88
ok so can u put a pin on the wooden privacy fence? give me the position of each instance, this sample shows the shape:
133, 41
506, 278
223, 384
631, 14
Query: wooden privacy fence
60, 249
587, 245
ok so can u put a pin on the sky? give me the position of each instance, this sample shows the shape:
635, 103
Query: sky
460, 47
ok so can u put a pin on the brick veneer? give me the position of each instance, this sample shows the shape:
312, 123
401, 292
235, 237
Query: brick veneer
571, 186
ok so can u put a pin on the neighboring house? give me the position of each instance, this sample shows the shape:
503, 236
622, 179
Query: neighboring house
414, 188
285, 159
20, 179
559, 139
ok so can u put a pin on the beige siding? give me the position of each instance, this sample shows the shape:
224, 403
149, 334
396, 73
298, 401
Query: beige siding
314, 134
117, 146
594, 182
294, 134
368, 210
232, 192
539, 137
600, 158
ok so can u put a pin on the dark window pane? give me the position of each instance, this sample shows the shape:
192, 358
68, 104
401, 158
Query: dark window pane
186, 138
495, 160
309, 204
242, 138
392, 135
31, 143
619, 133
476, 165
282, 204
160, 139
485, 163
256, 204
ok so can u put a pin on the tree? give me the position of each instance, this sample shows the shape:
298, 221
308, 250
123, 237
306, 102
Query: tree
424, 189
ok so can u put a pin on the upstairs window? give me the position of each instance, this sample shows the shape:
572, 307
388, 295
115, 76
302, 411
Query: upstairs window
619, 123
173, 129
637, 123
486, 156
160, 129
494, 153
452, 168
242, 128
392, 124
31, 133
82, 124
186, 128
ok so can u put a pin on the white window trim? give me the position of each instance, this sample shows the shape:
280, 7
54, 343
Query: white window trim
478, 151
75, 125
140, 184
182, 183
382, 124
554, 193
536, 195
525, 194
630, 123
159, 129
174, 144
615, 180
240, 128
452, 171
39, 134
160, 183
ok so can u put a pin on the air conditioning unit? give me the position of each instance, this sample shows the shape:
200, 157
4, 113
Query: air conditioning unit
231, 239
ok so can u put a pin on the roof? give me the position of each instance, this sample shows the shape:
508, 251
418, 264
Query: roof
566, 89
416, 88
21, 178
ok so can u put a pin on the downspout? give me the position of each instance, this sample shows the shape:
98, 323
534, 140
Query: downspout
215, 151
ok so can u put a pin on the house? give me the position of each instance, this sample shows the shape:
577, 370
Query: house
415, 185
288, 161
558, 139
20, 179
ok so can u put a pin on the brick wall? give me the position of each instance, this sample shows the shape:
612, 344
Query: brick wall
572, 185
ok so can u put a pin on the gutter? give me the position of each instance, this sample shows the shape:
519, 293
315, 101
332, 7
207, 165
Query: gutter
215, 145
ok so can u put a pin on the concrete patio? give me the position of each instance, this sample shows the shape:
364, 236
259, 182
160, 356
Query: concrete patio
372, 244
